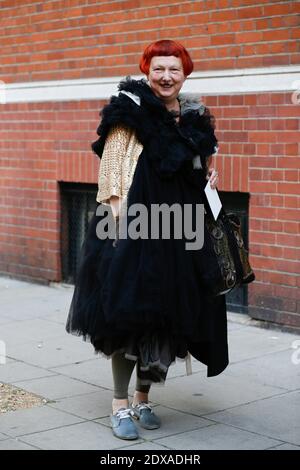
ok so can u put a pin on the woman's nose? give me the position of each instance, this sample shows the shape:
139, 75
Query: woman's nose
166, 75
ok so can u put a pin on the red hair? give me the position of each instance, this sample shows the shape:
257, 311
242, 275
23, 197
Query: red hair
166, 47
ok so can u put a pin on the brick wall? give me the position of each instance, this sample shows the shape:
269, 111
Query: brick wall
40, 145
74, 39
259, 140
47, 142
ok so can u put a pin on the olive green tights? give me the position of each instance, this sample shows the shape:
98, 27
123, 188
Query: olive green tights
122, 370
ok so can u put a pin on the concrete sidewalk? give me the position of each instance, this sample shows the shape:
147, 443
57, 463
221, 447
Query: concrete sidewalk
253, 404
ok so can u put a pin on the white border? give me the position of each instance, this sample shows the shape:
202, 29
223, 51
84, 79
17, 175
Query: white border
217, 82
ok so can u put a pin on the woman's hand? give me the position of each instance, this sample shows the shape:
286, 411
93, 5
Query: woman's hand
213, 177
115, 204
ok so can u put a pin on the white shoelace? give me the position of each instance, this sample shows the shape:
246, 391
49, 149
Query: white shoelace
143, 406
121, 414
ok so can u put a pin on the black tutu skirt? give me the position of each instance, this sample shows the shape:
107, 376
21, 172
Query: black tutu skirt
144, 297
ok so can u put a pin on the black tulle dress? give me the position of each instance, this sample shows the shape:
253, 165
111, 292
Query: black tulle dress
145, 297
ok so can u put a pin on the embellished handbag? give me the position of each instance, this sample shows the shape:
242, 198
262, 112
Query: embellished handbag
226, 258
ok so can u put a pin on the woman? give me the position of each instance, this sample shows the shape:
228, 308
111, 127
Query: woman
140, 300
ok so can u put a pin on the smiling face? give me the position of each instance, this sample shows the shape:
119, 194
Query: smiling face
166, 77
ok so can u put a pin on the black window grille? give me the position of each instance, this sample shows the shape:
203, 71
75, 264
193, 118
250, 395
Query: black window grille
78, 203
238, 202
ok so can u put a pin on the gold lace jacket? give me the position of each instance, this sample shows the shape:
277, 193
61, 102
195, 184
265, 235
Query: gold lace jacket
120, 155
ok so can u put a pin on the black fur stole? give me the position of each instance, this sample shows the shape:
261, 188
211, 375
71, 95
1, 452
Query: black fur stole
166, 142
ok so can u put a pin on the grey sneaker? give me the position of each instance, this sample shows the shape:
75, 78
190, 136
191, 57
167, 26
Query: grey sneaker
145, 414
122, 424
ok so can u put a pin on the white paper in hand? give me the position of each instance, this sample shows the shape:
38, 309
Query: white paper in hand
213, 200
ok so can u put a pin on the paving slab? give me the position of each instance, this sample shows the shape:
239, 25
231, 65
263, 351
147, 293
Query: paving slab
52, 352
36, 329
23, 300
17, 371
145, 446
33, 420
275, 369
198, 395
88, 406
218, 437
14, 444
276, 417
286, 447
83, 436
96, 371
56, 386
252, 342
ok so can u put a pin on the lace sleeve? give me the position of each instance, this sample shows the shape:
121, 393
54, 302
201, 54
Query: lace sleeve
119, 158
